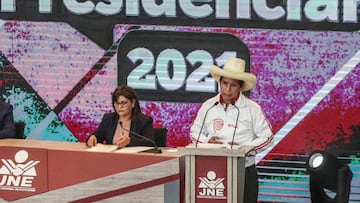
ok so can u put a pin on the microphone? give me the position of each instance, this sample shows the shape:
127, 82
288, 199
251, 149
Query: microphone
202, 125
237, 118
155, 150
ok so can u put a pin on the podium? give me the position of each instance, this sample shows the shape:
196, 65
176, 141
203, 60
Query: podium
213, 174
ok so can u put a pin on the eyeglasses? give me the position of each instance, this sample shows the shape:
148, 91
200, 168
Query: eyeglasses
121, 104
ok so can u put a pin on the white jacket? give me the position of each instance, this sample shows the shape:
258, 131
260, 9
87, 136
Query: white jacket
252, 128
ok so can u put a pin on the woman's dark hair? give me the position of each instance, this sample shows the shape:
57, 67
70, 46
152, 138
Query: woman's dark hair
129, 93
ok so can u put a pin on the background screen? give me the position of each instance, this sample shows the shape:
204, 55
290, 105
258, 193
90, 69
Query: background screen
60, 62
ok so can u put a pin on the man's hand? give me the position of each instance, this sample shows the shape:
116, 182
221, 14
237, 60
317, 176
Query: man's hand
215, 140
233, 143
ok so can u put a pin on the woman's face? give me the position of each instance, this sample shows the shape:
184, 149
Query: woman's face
123, 106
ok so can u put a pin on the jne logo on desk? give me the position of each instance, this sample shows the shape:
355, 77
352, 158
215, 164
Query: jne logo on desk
23, 172
18, 174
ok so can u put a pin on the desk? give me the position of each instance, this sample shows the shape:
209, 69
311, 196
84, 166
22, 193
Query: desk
66, 172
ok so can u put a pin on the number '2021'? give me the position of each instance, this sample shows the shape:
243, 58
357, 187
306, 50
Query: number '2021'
197, 80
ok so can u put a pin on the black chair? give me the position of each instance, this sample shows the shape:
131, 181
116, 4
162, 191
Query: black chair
19, 130
160, 136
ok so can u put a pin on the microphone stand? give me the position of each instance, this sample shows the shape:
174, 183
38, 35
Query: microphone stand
237, 118
202, 125
154, 150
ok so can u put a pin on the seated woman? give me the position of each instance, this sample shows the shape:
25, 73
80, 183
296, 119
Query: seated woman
120, 127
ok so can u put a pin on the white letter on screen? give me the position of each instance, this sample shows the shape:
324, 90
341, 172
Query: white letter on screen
243, 9
350, 11
263, 11
316, 10
294, 10
114, 7
222, 9
132, 8
167, 8
79, 7
193, 11
8, 6
45, 6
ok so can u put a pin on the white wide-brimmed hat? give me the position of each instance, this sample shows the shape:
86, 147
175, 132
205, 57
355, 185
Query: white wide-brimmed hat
234, 68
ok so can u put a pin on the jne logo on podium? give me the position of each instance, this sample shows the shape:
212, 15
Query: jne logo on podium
211, 179
211, 187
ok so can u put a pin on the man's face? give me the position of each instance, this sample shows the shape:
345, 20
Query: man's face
229, 89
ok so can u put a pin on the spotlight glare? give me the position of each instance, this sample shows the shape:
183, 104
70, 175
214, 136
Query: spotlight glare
316, 160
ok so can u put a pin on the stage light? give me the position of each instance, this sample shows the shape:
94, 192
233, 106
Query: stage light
327, 172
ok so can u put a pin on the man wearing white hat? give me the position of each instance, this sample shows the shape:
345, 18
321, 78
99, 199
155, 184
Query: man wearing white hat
232, 118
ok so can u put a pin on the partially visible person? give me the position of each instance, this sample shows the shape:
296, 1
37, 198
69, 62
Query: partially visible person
7, 125
116, 127
232, 118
